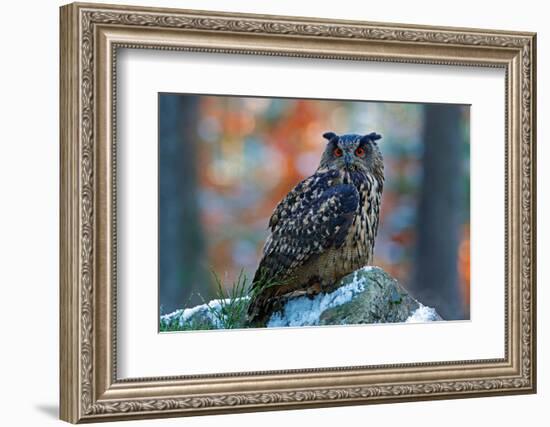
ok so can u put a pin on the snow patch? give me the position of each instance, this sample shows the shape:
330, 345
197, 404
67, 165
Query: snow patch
423, 314
209, 310
303, 311
166, 319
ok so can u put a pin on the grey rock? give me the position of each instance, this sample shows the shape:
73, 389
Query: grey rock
383, 300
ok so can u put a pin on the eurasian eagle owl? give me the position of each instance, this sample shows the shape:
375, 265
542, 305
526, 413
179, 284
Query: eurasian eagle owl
324, 228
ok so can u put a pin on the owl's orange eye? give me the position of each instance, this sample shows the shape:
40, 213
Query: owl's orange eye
338, 152
360, 152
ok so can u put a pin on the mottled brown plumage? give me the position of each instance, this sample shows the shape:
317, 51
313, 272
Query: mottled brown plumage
324, 228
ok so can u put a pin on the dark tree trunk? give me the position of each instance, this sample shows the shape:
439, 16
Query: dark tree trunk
182, 250
436, 281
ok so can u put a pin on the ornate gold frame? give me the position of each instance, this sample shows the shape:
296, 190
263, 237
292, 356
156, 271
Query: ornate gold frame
90, 36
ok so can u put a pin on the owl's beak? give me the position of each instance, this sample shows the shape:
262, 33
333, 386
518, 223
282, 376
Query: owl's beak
348, 159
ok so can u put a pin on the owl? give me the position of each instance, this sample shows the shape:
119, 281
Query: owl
324, 228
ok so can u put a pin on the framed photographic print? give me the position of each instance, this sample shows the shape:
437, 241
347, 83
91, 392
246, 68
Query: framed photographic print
266, 212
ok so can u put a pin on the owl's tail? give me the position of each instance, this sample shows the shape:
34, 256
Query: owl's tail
263, 300
257, 315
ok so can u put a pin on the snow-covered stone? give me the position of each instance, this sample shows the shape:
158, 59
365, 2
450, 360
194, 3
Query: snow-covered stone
305, 311
368, 295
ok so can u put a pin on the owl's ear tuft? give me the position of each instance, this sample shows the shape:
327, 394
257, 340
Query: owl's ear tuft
372, 137
330, 136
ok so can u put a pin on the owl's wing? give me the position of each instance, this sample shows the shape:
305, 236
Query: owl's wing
313, 217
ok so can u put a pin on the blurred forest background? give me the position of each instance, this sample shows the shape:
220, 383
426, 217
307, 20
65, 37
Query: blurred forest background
225, 162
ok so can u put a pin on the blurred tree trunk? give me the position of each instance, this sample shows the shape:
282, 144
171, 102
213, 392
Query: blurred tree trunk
182, 248
436, 280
